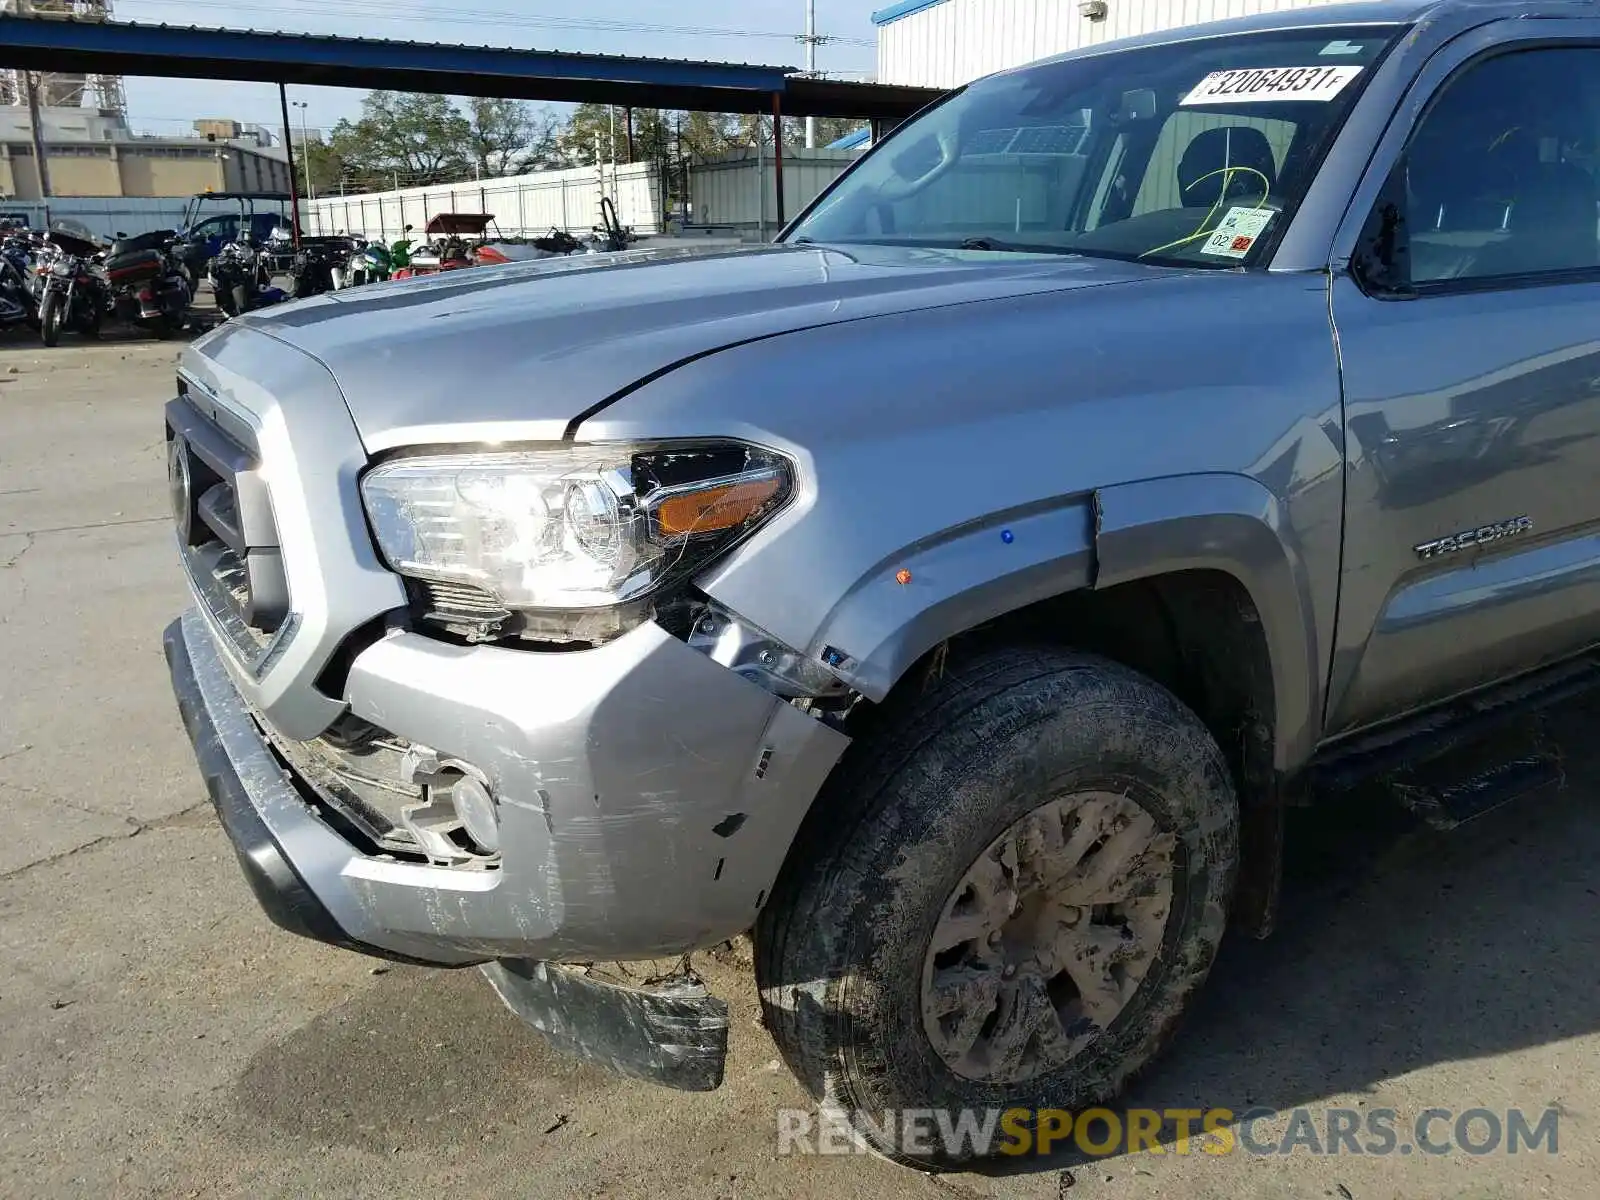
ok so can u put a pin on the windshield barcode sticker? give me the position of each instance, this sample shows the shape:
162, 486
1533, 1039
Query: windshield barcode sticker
1254, 84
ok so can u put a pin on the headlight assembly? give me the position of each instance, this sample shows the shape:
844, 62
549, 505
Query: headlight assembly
568, 539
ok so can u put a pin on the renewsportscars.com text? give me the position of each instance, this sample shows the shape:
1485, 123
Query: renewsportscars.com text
1102, 1132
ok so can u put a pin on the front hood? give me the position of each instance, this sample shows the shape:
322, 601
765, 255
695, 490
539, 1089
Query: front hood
517, 352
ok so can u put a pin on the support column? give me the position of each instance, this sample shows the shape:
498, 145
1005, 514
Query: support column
777, 152
288, 148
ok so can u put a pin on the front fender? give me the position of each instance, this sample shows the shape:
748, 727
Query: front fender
1233, 524
1007, 561
944, 585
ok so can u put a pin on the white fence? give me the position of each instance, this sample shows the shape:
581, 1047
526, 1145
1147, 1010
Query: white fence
735, 191
523, 205
739, 190
105, 216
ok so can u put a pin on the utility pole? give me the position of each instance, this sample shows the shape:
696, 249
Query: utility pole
36, 124
811, 40
811, 66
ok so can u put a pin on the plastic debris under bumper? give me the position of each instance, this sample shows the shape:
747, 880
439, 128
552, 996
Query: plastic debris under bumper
678, 1037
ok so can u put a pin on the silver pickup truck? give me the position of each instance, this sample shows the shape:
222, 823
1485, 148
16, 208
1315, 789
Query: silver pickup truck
956, 593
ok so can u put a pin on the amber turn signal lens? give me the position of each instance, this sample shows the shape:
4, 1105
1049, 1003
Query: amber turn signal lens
713, 509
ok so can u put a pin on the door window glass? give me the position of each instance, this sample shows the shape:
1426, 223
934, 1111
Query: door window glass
1500, 177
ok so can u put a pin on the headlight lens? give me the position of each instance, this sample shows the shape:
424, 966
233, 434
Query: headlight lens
570, 527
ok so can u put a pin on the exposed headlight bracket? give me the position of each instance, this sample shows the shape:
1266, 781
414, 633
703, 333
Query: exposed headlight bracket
751, 652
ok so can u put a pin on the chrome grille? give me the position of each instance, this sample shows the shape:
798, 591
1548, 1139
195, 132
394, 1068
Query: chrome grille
220, 578
226, 531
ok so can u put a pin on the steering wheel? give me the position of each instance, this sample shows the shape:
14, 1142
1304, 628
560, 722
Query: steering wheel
900, 189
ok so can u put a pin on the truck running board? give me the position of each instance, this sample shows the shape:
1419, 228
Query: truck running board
1445, 803
1467, 757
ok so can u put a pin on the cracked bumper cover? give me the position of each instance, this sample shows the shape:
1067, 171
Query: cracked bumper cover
617, 770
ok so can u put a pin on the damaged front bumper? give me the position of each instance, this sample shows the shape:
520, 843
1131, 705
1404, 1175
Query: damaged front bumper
646, 799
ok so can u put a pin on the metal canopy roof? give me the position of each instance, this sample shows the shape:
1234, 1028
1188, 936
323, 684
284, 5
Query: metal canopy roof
35, 43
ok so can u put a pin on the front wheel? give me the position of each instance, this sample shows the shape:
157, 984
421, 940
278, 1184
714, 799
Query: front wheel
1007, 896
51, 315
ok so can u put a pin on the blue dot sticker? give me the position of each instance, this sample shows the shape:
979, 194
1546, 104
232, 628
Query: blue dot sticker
1007, 536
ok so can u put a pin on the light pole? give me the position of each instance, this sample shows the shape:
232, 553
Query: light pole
305, 148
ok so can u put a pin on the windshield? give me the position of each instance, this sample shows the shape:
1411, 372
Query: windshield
1191, 153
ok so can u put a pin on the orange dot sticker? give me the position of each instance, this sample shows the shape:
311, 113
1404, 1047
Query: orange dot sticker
902, 576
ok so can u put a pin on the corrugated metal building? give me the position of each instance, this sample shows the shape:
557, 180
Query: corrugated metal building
944, 43
738, 191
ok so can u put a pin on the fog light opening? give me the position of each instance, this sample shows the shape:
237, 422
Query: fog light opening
458, 822
479, 814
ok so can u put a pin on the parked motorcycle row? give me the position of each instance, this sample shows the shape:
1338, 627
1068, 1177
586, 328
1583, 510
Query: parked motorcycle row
59, 281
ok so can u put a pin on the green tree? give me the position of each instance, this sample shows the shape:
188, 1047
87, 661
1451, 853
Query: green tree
594, 133
829, 129
703, 135
507, 136
657, 135
543, 150
405, 137
324, 164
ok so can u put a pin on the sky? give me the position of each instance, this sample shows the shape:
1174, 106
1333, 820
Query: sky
752, 31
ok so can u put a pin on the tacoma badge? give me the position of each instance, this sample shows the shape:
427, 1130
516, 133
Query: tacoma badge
1481, 536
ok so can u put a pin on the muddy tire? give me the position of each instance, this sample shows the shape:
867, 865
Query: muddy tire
1011, 786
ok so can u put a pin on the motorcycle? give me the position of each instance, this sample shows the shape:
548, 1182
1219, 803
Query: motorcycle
558, 242
371, 262
18, 304
74, 291
149, 285
610, 235
317, 265
450, 250
400, 251
239, 279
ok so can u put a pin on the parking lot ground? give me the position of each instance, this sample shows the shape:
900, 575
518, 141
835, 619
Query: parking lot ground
159, 1038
